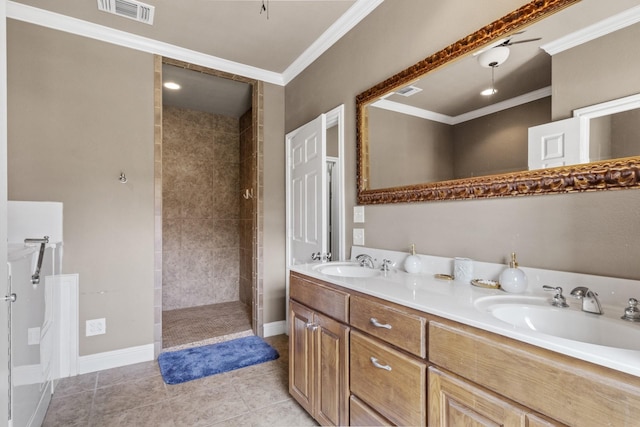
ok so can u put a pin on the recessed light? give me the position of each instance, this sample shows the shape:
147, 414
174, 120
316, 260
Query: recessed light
488, 92
172, 85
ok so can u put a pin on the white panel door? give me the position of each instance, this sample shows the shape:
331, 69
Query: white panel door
555, 144
306, 188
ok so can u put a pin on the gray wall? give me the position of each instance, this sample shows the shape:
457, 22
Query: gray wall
592, 233
598, 71
423, 147
487, 145
273, 200
407, 150
78, 116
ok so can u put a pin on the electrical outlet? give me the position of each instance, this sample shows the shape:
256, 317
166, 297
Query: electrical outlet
358, 236
96, 327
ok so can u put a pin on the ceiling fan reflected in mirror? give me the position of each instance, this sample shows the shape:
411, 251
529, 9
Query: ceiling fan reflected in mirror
495, 55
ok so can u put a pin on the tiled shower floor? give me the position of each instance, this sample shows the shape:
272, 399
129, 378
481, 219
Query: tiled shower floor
206, 324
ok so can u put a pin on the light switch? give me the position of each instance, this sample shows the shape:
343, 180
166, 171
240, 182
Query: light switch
358, 214
358, 236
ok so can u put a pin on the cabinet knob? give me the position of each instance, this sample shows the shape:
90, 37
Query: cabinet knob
377, 324
379, 365
11, 298
311, 326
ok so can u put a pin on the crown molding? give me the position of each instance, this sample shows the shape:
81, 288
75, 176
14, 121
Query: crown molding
409, 110
504, 105
454, 120
594, 31
355, 14
44, 18
82, 28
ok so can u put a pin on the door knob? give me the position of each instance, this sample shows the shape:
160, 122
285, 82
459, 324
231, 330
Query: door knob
11, 298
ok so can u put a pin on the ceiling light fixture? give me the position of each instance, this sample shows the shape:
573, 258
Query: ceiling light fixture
265, 8
172, 85
493, 58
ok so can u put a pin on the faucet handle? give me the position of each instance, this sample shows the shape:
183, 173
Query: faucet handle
386, 263
558, 300
632, 312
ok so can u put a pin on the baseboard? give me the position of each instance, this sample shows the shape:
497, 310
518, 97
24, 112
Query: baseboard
115, 359
274, 328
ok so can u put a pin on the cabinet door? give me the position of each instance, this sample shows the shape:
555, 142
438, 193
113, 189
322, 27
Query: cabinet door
301, 376
331, 371
455, 402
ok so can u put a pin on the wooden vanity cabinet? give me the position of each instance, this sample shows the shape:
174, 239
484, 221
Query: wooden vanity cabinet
319, 352
359, 360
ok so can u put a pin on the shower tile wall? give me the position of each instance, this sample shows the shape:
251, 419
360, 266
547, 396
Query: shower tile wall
201, 208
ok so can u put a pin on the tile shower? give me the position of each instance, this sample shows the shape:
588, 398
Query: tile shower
207, 238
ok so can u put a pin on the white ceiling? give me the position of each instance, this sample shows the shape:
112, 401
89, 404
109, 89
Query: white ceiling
204, 92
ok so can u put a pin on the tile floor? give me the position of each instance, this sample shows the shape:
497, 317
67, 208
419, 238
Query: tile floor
136, 395
206, 324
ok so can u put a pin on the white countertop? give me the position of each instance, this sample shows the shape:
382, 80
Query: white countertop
455, 301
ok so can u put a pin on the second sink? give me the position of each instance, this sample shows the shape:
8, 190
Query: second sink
536, 315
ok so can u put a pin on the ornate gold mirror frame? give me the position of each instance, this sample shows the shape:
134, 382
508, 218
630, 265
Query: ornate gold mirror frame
605, 175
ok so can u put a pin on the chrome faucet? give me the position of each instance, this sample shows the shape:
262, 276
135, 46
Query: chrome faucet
386, 265
590, 302
365, 260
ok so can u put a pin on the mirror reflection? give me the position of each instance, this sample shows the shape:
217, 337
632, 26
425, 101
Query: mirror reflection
486, 113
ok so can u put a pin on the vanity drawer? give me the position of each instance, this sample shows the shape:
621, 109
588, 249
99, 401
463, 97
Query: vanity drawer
404, 330
325, 299
396, 387
361, 415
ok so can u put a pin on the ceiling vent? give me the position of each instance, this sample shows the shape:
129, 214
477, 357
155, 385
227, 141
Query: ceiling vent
128, 9
408, 90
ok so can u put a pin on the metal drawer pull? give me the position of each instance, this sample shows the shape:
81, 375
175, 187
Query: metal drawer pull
377, 324
311, 326
377, 364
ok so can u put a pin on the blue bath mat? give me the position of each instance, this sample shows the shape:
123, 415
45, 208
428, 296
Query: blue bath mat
192, 363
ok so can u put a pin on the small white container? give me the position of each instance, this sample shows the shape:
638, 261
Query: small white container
462, 269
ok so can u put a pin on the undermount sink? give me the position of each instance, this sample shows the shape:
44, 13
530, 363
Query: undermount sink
536, 314
345, 269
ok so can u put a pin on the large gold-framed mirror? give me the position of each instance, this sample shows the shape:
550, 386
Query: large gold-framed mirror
540, 36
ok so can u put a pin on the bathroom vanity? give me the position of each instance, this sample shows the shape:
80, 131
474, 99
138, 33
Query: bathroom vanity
400, 349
